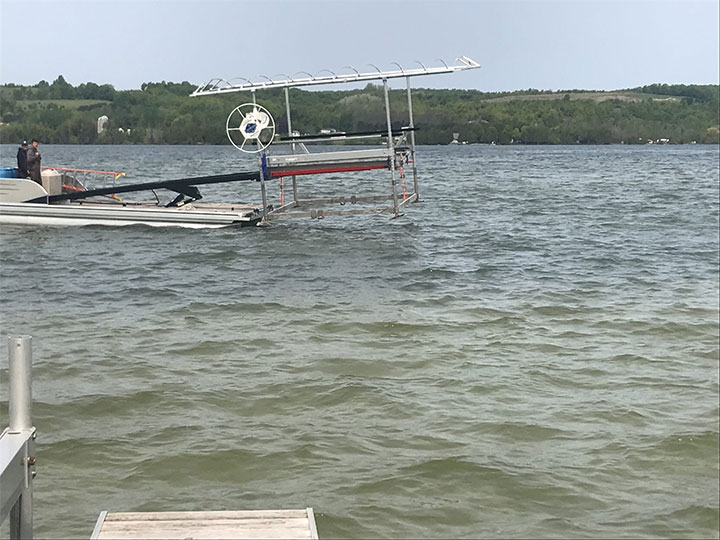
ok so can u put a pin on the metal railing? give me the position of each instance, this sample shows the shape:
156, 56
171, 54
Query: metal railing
17, 443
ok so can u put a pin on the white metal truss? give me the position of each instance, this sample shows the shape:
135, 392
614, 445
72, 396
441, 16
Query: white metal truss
220, 86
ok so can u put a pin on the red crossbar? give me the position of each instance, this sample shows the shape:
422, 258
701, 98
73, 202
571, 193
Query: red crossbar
278, 174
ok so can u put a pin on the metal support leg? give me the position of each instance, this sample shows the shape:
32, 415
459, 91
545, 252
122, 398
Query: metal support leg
412, 142
295, 195
294, 178
21, 519
391, 146
263, 192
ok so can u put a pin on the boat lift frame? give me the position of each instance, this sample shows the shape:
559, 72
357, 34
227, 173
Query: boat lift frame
394, 153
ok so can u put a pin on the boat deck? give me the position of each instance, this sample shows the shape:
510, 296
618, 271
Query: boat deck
200, 525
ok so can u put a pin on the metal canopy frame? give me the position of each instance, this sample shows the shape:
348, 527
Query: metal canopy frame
220, 86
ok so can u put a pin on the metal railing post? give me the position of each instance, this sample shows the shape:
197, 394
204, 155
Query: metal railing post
412, 143
294, 178
20, 414
20, 379
391, 147
263, 192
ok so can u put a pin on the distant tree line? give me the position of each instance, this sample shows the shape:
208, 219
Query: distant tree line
163, 113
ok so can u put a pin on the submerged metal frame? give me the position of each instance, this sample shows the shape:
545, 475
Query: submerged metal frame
220, 86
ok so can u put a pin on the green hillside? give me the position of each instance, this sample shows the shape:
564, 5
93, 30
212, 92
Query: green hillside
162, 113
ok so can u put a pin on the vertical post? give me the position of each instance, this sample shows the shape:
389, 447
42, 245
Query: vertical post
391, 147
20, 375
412, 142
287, 109
263, 192
20, 415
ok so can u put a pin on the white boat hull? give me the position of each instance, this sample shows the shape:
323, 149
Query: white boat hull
115, 215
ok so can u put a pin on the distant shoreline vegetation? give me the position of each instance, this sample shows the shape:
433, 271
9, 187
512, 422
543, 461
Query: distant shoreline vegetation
163, 113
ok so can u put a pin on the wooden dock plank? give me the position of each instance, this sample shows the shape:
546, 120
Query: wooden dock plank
206, 515
206, 525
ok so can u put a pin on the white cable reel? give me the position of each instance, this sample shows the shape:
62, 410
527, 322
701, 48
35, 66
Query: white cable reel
250, 128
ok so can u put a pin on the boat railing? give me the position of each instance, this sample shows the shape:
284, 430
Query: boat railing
115, 174
76, 180
84, 177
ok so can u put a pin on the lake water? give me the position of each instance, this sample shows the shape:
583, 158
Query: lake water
532, 351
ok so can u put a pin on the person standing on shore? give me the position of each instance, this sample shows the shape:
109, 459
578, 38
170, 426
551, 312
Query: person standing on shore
22, 160
33, 161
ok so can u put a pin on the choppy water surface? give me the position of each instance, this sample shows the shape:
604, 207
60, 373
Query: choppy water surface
530, 352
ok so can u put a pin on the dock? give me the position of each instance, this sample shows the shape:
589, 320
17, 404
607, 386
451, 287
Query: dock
205, 525
17, 471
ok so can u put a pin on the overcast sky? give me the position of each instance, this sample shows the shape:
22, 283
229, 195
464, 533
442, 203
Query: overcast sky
544, 44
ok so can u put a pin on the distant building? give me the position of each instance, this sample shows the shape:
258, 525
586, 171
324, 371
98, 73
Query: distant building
101, 123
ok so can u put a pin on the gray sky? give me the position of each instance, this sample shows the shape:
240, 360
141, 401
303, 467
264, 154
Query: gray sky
544, 44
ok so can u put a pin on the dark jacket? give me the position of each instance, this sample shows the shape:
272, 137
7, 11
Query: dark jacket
33, 158
33, 163
22, 159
